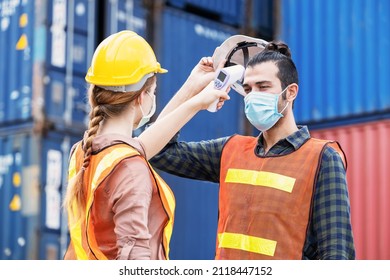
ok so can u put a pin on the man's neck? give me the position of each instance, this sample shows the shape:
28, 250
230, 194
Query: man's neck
278, 132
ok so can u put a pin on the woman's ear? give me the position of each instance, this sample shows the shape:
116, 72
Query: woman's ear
140, 98
292, 92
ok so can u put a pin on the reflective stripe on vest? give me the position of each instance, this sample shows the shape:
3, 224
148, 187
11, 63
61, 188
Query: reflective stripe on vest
100, 166
265, 202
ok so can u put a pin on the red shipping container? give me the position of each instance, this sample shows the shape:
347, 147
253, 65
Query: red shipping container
368, 155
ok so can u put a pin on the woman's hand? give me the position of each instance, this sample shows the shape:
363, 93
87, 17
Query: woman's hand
208, 95
202, 74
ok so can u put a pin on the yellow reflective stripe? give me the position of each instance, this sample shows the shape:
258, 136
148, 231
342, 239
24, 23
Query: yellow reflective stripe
76, 237
75, 227
107, 162
260, 178
247, 243
166, 191
72, 166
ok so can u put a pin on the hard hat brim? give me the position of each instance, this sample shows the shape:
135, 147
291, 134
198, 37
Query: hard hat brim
162, 71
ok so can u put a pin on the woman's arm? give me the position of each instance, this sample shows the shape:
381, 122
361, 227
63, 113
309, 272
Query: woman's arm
156, 136
131, 194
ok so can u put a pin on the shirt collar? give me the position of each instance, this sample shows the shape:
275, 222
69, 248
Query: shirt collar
298, 138
295, 140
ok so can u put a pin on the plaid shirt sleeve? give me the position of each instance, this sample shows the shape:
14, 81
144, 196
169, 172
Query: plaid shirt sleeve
194, 160
331, 223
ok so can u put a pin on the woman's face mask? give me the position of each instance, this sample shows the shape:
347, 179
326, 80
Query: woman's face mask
261, 109
146, 118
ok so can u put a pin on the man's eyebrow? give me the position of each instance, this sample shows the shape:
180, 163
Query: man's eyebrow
259, 83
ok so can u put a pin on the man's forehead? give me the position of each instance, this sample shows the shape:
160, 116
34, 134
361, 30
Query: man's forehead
266, 71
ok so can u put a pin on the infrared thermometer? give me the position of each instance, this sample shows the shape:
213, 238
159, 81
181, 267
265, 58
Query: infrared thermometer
225, 77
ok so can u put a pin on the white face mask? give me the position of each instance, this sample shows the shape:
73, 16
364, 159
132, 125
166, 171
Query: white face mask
146, 118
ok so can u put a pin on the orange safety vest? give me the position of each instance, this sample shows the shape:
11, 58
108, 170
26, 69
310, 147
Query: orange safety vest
83, 244
265, 202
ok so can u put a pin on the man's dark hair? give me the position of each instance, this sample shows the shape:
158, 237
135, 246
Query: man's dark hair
279, 53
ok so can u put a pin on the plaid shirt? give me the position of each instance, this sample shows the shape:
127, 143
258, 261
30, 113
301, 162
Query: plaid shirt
329, 235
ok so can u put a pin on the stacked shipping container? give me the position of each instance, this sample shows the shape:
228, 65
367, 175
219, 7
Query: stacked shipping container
33, 176
367, 150
45, 47
343, 70
338, 49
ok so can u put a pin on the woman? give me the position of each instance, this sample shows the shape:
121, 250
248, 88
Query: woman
118, 206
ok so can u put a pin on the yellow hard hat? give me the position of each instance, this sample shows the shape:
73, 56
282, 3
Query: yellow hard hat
122, 62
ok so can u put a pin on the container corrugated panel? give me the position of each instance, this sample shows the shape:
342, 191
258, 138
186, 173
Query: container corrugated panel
337, 49
125, 15
54, 235
184, 39
71, 34
77, 10
59, 52
262, 22
19, 199
54, 155
66, 102
30, 49
16, 37
367, 150
227, 11
50, 246
71, 40
33, 173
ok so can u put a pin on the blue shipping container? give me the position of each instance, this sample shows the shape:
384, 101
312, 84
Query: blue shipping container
19, 200
338, 47
31, 48
227, 11
76, 12
71, 34
183, 39
66, 102
16, 37
262, 18
50, 246
60, 49
125, 15
256, 14
33, 173
55, 149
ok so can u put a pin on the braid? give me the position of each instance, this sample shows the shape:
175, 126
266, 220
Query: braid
76, 191
95, 117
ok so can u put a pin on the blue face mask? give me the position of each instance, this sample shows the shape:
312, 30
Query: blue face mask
261, 109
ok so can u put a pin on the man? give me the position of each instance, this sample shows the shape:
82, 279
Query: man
283, 194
